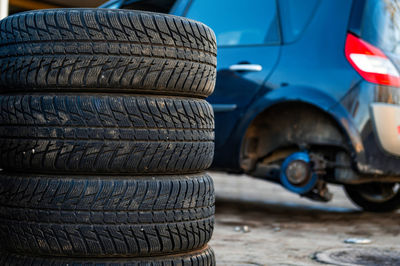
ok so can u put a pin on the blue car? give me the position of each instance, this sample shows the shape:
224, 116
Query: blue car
307, 93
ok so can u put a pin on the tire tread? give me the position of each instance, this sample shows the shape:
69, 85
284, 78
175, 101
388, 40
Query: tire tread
78, 216
90, 133
106, 51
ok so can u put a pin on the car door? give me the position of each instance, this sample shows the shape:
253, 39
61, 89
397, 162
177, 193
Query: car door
248, 39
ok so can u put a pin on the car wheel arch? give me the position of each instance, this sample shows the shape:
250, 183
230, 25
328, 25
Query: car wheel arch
312, 97
289, 123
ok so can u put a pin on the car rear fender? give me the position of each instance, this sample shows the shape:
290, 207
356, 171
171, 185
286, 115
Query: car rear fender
313, 97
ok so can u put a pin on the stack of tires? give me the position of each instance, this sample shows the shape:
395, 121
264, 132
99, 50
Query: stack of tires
104, 138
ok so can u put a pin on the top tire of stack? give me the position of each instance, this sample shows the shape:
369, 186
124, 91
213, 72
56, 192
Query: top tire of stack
102, 50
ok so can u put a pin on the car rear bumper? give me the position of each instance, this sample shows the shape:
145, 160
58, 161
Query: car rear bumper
376, 115
386, 124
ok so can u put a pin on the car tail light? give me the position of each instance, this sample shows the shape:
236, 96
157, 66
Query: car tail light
370, 62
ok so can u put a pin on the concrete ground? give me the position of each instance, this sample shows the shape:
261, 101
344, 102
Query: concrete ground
259, 223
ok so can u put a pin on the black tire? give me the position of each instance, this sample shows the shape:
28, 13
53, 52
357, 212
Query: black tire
357, 194
81, 217
203, 257
106, 50
98, 133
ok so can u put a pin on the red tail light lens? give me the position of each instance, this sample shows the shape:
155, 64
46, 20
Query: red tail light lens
370, 62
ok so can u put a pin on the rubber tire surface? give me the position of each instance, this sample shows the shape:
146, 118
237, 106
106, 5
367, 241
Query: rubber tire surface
106, 50
98, 133
101, 216
203, 257
357, 198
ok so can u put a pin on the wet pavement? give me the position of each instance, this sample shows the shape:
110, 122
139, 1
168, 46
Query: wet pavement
259, 223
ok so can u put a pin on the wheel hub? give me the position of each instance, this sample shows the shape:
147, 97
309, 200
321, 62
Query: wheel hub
296, 173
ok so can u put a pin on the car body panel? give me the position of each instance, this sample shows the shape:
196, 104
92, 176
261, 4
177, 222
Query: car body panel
238, 88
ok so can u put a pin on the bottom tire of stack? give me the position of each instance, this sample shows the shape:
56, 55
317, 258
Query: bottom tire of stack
201, 257
99, 216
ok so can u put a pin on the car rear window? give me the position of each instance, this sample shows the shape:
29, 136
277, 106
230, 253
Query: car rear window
238, 22
381, 24
295, 16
